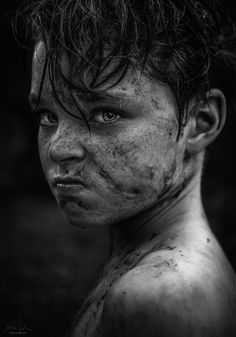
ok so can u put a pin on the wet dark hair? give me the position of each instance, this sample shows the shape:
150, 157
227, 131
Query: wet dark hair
187, 44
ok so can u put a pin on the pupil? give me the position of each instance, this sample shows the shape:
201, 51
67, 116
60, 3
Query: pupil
52, 118
108, 115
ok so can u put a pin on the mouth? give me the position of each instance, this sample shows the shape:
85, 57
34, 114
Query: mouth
67, 185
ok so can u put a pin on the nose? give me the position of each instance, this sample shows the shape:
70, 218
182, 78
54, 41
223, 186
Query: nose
66, 148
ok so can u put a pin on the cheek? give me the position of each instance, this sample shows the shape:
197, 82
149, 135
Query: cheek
142, 164
43, 146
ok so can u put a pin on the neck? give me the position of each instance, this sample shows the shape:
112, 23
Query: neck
168, 218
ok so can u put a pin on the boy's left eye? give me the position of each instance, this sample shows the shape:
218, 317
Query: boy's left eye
105, 116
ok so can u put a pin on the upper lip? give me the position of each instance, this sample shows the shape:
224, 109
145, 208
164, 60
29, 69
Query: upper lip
67, 181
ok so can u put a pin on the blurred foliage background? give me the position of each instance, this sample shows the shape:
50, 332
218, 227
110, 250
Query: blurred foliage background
47, 265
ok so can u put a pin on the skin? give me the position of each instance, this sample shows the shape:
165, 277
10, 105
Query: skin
144, 183
117, 161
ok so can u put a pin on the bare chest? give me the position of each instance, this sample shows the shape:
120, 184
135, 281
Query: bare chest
88, 320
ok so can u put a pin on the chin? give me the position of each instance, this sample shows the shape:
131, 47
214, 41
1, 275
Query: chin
82, 215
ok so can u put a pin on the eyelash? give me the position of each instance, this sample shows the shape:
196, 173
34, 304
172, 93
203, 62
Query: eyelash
95, 113
39, 113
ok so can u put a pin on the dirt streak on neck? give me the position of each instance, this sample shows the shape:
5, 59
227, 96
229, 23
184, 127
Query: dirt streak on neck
172, 207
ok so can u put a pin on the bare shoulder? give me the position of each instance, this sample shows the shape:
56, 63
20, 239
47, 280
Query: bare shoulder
169, 297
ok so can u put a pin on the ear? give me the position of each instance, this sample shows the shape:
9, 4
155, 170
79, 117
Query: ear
206, 122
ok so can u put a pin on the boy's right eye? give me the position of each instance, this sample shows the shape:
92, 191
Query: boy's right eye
47, 118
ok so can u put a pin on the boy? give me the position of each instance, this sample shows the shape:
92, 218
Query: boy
130, 94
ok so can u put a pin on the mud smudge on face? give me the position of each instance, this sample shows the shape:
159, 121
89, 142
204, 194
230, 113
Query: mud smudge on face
129, 192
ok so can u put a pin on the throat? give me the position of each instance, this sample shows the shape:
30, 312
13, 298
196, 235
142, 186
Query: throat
167, 219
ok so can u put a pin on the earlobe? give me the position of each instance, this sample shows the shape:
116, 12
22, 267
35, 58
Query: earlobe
206, 122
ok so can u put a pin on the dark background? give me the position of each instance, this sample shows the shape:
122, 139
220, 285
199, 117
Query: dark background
47, 266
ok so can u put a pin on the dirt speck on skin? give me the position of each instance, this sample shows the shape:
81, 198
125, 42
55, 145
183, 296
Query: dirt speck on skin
134, 80
163, 247
119, 150
174, 263
180, 251
155, 104
161, 267
136, 190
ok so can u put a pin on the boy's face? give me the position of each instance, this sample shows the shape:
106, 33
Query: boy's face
129, 161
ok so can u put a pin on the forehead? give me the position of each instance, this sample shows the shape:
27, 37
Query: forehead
133, 86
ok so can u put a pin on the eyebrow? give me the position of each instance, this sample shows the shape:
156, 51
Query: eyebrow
101, 95
34, 100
